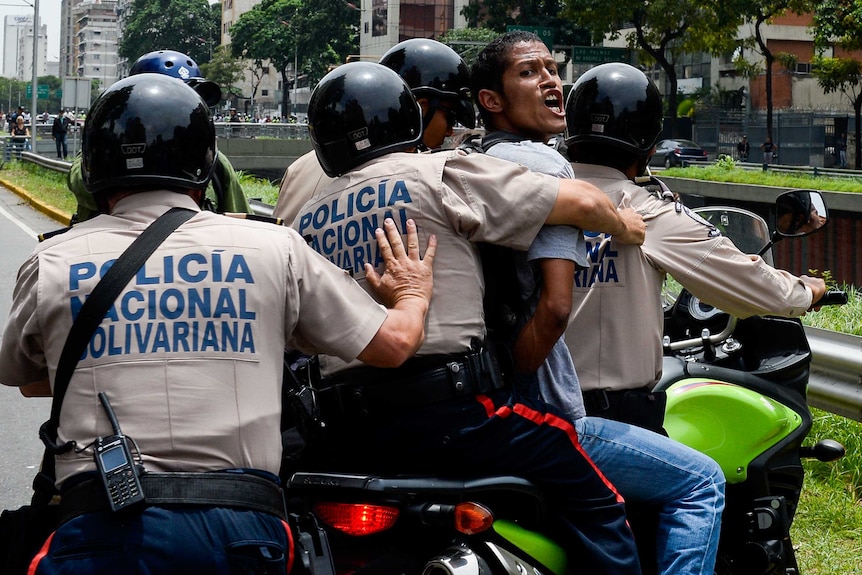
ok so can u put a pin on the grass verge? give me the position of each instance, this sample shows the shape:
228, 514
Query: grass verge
46, 186
726, 170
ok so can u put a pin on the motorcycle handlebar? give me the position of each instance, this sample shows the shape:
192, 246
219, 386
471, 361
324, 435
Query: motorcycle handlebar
832, 297
705, 338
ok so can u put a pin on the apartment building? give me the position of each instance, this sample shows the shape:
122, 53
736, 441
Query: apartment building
89, 34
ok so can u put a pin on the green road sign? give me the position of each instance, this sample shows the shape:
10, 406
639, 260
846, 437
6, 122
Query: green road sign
599, 55
42, 92
546, 34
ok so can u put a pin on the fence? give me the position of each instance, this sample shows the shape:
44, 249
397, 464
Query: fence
803, 138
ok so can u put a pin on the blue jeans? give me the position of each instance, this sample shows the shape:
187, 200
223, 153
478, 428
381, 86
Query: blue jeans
62, 149
686, 485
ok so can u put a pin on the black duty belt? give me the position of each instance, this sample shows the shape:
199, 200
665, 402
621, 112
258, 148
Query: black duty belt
214, 489
420, 382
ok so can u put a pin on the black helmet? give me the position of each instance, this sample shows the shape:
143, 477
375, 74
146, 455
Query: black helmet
793, 210
147, 130
616, 104
181, 66
361, 111
434, 70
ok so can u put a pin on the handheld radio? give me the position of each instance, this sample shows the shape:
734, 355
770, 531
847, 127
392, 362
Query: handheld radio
116, 467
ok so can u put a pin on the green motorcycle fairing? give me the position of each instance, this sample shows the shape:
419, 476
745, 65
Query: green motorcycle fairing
731, 424
534, 544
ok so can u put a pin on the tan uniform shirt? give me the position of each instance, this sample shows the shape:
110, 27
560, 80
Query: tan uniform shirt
462, 198
302, 179
616, 325
191, 353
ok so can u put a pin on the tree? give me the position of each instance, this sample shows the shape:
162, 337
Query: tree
839, 22
497, 15
314, 34
224, 71
52, 104
760, 12
268, 32
468, 42
15, 90
187, 26
662, 29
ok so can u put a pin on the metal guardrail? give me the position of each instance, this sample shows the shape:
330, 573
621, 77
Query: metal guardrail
50, 163
836, 370
274, 130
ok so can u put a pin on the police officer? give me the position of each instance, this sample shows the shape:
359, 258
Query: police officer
520, 97
450, 410
439, 79
614, 118
191, 353
224, 193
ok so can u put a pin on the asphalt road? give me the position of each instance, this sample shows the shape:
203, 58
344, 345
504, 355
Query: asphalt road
20, 417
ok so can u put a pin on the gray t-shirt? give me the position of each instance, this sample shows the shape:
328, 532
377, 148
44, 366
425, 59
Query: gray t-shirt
557, 379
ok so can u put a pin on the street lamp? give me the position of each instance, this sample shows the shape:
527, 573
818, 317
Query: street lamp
209, 44
295, 65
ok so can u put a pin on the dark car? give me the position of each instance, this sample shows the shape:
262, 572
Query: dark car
670, 153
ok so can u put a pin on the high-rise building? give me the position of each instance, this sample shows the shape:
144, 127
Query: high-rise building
89, 40
18, 48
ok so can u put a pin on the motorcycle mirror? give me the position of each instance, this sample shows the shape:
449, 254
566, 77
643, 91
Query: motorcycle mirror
798, 213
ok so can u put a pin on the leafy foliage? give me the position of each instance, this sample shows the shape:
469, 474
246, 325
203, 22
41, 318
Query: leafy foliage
468, 42
188, 26
662, 29
316, 34
840, 21
224, 70
498, 14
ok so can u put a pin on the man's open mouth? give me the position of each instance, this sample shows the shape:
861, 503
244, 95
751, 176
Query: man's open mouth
554, 102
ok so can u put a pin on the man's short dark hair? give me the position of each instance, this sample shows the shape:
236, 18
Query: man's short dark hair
491, 63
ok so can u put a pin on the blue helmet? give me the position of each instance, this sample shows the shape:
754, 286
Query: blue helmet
181, 66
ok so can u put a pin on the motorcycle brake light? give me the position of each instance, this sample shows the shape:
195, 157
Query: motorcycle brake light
356, 519
472, 518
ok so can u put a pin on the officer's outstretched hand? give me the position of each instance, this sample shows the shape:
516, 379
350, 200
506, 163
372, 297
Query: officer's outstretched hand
634, 227
407, 278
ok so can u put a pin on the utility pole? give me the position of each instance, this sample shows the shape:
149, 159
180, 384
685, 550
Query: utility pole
35, 95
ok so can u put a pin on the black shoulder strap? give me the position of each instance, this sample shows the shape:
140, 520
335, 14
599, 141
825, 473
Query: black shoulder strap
505, 308
498, 136
93, 312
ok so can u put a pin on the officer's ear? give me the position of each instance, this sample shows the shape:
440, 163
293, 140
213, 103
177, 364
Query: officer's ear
490, 100
423, 104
